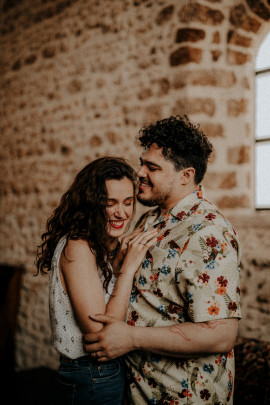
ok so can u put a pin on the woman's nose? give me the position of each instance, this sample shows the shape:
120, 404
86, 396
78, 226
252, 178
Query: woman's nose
120, 212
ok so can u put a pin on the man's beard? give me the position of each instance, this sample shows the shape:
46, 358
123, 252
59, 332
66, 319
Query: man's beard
158, 199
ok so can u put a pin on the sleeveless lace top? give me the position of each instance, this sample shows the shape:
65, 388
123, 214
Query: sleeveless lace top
66, 335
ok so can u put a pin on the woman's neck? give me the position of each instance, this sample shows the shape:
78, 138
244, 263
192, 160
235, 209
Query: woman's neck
112, 243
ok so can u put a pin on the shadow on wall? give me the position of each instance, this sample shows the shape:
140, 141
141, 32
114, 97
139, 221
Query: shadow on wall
10, 285
26, 387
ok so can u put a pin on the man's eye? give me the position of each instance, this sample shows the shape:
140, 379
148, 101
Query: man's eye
152, 169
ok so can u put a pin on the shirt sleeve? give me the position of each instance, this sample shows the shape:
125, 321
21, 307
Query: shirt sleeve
207, 275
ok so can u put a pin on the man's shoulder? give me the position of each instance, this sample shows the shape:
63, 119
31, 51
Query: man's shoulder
203, 218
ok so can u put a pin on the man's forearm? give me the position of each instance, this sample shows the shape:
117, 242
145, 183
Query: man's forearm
183, 340
187, 339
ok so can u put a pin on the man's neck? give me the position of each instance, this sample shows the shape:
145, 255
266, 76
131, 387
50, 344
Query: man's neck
169, 204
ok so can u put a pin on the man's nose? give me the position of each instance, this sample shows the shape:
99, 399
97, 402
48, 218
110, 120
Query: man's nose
141, 172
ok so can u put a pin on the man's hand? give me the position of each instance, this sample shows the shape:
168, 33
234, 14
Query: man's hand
114, 340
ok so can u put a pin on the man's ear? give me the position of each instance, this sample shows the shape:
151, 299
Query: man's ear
187, 175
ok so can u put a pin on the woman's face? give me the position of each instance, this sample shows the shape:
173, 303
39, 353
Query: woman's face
120, 205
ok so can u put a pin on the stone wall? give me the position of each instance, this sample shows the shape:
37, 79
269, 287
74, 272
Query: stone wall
80, 78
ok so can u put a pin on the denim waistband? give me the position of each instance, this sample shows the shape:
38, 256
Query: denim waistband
85, 360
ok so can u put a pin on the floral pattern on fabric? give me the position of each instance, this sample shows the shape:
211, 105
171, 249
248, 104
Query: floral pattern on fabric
190, 275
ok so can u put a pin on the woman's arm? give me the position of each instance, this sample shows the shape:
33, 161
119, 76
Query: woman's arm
136, 249
80, 279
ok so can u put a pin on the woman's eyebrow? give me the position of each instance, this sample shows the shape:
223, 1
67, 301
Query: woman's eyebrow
115, 199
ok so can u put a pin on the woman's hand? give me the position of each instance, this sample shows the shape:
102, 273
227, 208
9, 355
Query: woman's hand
136, 249
122, 251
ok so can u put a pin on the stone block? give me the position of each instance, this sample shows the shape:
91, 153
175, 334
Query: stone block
184, 55
164, 86
260, 9
215, 55
239, 155
194, 106
145, 93
220, 180
226, 202
75, 86
239, 18
213, 77
234, 38
194, 11
237, 58
153, 113
205, 77
189, 35
237, 107
165, 15
95, 141
237, 15
212, 130
216, 37
29, 60
112, 137
17, 65
49, 51
251, 25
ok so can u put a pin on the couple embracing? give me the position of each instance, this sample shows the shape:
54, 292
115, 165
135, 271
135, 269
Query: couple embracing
148, 317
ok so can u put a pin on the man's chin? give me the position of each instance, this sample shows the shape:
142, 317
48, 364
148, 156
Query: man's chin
147, 202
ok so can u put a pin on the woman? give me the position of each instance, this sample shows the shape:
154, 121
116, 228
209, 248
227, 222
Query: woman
91, 272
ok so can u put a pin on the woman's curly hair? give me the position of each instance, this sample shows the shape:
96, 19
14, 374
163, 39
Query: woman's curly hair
182, 143
81, 213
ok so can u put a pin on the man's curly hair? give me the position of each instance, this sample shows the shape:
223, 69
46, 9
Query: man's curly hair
182, 142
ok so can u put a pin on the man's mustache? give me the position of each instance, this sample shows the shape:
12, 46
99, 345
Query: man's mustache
145, 181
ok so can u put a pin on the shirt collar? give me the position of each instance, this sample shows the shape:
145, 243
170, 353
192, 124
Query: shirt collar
183, 209
188, 204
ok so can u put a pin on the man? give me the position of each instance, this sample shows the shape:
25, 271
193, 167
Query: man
184, 307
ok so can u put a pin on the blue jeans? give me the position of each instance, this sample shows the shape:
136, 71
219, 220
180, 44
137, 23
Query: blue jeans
83, 381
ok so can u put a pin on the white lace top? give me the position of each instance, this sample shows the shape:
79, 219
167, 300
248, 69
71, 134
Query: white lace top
66, 334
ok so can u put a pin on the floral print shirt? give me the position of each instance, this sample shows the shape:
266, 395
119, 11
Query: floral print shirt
190, 275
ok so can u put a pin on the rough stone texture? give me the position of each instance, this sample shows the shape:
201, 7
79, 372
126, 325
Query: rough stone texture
239, 201
79, 79
238, 40
165, 14
188, 34
239, 155
220, 180
194, 106
237, 107
184, 55
259, 8
240, 18
194, 11
237, 58
254, 275
212, 129
204, 77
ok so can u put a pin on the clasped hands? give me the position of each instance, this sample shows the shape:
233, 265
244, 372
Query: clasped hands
114, 340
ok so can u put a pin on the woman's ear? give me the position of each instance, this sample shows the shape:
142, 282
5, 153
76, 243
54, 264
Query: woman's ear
187, 175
